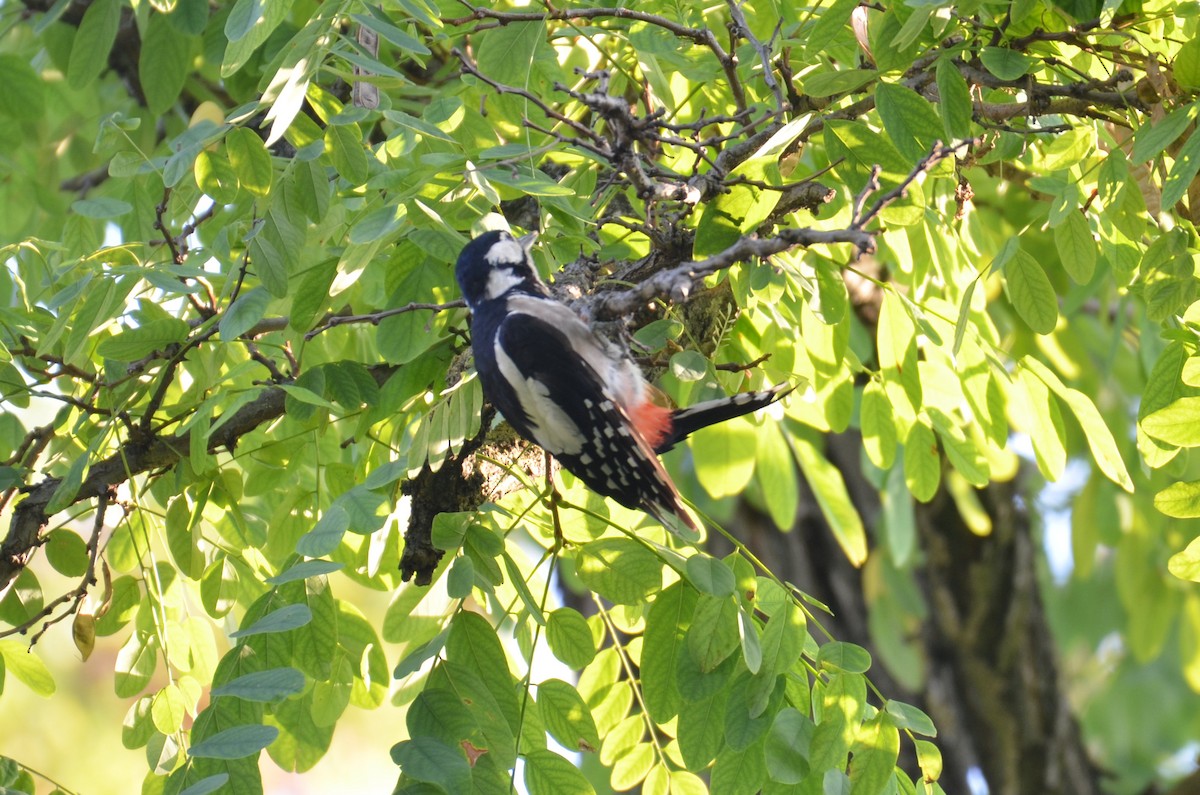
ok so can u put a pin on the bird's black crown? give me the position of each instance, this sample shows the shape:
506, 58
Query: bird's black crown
493, 264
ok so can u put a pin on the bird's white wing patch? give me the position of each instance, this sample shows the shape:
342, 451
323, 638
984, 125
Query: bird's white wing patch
552, 429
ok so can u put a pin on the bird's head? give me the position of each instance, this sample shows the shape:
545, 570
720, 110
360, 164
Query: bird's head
494, 264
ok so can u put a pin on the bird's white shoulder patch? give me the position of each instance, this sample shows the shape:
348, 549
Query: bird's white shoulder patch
552, 429
621, 378
500, 281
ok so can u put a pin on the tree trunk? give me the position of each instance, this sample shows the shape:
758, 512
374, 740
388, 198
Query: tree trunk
991, 682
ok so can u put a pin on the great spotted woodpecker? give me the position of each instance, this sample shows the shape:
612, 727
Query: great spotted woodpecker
572, 393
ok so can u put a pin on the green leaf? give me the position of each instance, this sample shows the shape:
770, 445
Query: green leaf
234, 743
380, 224
472, 642
878, 426
26, 666
166, 59
751, 643
167, 709
566, 716
702, 727
1180, 500
846, 657
875, 753
906, 716
1004, 63
740, 209
101, 207
136, 343
1038, 408
1099, 438
507, 54
787, 745
24, 95
832, 497
783, 639
830, 84
922, 463
929, 758
244, 313
831, 23
327, 535
344, 144
775, 471
376, 22
1076, 247
64, 494
207, 784
250, 159
247, 27
1063, 151
710, 575
619, 569
1031, 293
739, 772
570, 638
263, 686
311, 295
1151, 139
662, 642
516, 579
284, 619
962, 452
304, 570
956, 104
1187, 164
67, 552
135, 666
910, 121
1177, 423
547, 773
215, 176
1187, 64
24, 599
713, 634
1186, 564
93, 41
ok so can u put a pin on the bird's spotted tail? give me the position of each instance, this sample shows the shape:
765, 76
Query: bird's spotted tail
687, 421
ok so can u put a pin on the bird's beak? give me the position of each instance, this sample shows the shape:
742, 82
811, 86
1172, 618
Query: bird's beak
528, 240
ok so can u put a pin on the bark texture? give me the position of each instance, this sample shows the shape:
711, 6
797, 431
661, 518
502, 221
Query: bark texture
991, 684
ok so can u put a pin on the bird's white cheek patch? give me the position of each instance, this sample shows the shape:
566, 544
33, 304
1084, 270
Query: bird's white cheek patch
500, 281
552, 429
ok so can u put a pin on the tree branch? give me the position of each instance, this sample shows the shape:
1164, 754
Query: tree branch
676, 284
134, 458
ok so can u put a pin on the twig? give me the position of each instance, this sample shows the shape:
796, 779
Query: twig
676, 284
734, 367
701, 36
83, 183
374, 317
159, 211
740, 28
926, 164
77, 594
471, 69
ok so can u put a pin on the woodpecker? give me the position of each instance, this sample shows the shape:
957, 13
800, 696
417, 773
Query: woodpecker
577, 396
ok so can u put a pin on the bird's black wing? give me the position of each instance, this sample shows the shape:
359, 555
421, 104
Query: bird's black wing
561, 403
